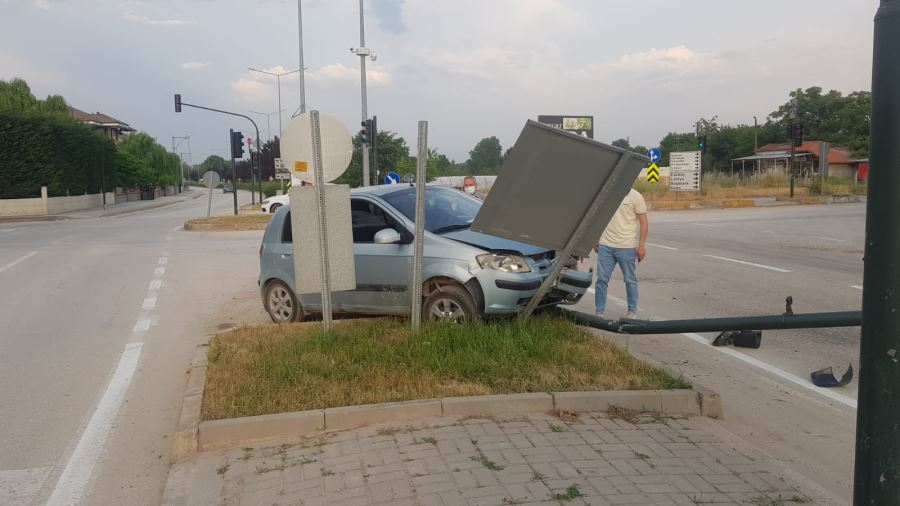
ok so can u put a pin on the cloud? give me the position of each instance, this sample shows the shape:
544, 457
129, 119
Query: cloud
131, 16
194, 65
255, 87
674, 57
389, 14
41, 4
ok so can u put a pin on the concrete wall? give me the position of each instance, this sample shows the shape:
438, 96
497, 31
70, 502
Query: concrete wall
43, 205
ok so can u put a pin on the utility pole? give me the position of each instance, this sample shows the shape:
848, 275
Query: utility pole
362, 51
302, 68
877, 473
755, 132
278, 79
792, 115
175, 151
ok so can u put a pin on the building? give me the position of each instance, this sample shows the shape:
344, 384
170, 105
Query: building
806, 160
112, 128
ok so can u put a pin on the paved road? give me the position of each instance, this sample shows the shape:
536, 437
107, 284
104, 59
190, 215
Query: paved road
745, 262
100, 317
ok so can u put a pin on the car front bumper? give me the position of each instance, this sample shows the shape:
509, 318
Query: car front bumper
508, 293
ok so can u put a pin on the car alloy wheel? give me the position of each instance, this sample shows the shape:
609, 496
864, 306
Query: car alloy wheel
280, 303
449, 303
447, 310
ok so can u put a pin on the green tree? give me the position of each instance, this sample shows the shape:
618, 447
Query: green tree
391, 149
832, 116
485, 157
15, 95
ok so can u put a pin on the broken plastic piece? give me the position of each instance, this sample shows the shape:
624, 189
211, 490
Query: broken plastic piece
740, 338
825, 377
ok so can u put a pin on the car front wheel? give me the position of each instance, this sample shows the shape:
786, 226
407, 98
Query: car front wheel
451, 304
281, 303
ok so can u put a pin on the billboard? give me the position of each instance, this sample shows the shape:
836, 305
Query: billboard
581, 125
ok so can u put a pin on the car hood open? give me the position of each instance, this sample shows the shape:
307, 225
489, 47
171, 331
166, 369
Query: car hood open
493, 243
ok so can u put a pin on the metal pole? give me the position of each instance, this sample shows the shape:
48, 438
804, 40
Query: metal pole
755, 131
421, 165
601, 197
320, 212
280, 131
302, 70
362, 74
209, 202
233, 171
877, 474
792, 159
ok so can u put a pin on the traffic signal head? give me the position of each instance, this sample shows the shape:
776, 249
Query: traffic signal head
366, 132
797, 135
178, 102
701, 143
237, 144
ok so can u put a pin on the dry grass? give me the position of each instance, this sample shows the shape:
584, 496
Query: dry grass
232, 219
271, 369
717, 186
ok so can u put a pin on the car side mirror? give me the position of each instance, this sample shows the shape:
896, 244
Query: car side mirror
387, 236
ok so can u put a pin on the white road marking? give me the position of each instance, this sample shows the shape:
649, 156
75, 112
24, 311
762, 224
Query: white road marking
73, 482
705, 225
858, 287
661, 246
793, 378
2, 230
155, 284
761, 266
18, 261
142, 325
163, 260
159, 271
149, 303
828, 238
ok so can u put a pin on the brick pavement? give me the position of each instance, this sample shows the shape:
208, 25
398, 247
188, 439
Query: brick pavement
533, 459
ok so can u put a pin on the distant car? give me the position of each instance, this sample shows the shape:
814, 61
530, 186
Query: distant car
467, 275
271, 204
228, 188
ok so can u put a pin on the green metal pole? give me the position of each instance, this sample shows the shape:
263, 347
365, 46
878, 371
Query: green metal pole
877, 473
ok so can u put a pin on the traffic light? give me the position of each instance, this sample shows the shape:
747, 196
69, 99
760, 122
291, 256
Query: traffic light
798, 135
701, 143
366, 132
178, 102
237, 144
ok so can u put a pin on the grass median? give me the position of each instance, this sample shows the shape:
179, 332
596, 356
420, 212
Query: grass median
229, 222
272, 369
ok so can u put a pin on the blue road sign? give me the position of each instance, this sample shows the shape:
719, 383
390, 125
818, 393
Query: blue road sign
391, 178
654, 154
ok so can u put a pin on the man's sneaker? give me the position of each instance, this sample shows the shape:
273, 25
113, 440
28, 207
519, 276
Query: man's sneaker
598, 314
630, 314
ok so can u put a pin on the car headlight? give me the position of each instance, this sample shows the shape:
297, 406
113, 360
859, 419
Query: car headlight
504, 263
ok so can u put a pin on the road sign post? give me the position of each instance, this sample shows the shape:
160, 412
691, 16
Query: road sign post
419, 250
318, 173
684, 171
211, 179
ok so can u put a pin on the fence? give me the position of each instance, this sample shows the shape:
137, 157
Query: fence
43, 205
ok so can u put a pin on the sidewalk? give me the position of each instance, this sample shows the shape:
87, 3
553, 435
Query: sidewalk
536, 458
111, 209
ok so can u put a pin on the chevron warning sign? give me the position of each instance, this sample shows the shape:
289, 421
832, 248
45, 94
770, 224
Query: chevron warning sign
653, 173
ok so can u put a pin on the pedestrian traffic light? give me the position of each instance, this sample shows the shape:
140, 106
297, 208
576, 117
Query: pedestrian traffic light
178, 102
237, 144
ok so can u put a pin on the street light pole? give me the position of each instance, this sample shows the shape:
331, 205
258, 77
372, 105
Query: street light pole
362, 51
302, 68
267, 115
278, 78
174, 150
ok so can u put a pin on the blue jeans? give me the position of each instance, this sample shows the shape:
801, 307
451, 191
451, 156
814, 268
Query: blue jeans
607, 258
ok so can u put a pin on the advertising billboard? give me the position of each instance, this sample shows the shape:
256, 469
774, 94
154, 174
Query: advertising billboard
581, 125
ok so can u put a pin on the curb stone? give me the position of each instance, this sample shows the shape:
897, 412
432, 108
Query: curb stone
186, 441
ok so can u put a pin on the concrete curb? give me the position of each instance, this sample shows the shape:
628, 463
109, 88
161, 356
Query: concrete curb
680, 205
235, 432
186, 441
224, 227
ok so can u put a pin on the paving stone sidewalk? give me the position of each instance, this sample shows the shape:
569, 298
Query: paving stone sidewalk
534, 459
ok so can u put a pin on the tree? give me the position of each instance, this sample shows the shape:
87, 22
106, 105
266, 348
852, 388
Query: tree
621, 143
391, 149
163, 164
16, 96
485, 157
832, 117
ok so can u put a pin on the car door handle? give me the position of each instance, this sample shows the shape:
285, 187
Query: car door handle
286, 255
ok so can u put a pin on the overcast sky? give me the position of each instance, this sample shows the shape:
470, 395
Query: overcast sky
472, 68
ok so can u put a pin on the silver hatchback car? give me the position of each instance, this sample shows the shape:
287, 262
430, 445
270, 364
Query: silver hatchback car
467, 275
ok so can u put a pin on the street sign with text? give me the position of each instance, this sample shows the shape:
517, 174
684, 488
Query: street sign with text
684, 171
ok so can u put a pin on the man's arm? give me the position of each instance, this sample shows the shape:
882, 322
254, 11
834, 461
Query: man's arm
645, 227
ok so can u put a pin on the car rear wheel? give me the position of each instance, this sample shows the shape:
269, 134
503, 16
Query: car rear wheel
281, 303
451, 304
274, 208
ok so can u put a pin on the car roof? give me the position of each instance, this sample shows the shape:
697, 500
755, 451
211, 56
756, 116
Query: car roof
384, 189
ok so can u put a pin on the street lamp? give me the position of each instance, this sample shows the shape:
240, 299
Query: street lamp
175, 147
278, 78
267, 115
362, 51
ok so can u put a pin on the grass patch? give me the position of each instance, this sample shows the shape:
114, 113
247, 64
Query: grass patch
272, 369
555, 427
572, 493
486, 462
720, 185
230, 220
767, 500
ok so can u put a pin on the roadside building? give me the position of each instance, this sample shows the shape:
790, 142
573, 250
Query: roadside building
777, 157
115, 130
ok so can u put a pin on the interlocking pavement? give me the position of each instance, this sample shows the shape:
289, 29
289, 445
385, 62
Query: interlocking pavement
532, 459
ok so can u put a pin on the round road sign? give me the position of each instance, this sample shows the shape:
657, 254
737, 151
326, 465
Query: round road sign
211, 178
337, 146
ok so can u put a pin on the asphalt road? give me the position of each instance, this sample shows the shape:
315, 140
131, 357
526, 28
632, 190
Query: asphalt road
715, 263
100, 318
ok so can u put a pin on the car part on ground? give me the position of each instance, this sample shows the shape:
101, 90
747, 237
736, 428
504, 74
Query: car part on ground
825, 377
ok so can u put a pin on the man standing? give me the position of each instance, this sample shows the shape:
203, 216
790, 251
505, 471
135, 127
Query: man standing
621, 244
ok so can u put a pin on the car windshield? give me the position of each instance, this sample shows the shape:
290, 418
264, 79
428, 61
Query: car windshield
445, 209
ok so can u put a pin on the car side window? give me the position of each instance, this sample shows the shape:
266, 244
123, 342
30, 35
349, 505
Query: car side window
286, 233
368, 219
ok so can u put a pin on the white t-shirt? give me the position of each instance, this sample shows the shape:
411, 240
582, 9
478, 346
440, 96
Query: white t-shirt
622, 230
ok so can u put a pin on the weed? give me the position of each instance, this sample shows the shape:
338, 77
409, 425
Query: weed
556, 427
429, 440
565, 416
222, 470
767, 500
284, 465
572, 492
390, 431
327, 472
486, 462
629, 415
507, 500
538, 477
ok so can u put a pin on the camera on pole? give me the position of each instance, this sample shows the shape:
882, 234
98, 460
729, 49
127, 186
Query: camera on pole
237, 145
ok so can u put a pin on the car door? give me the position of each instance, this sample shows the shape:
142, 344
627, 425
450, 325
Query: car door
382, 270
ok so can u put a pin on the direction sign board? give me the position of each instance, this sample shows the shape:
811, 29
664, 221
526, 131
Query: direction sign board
391, 178
684, 171
654, 154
